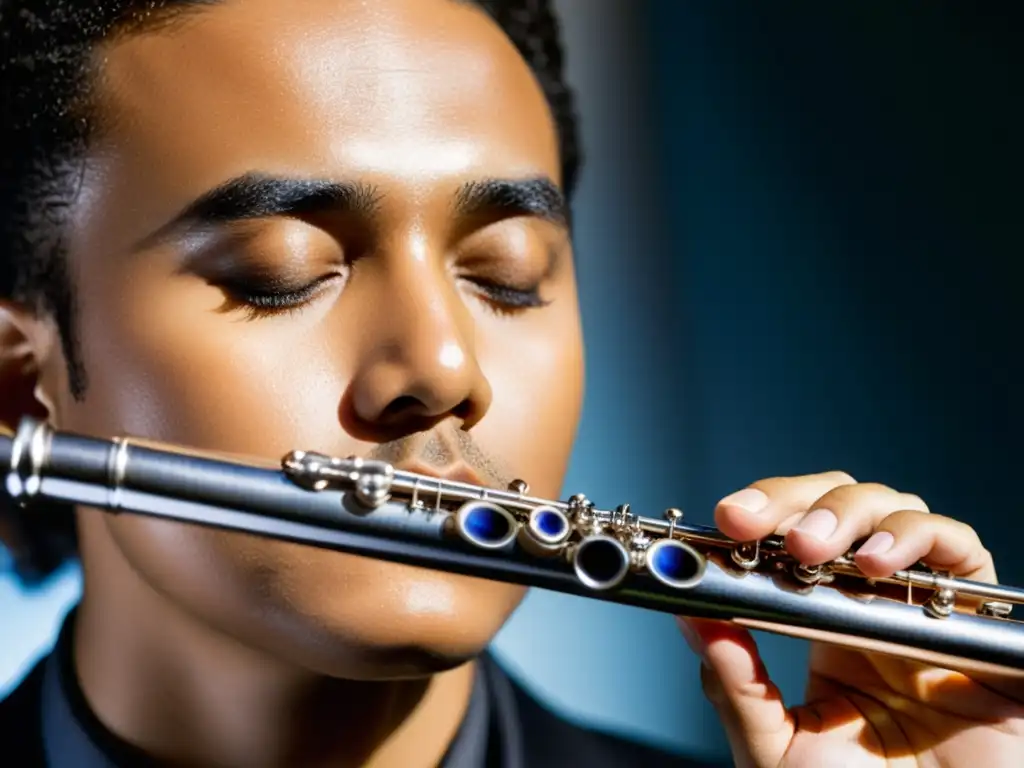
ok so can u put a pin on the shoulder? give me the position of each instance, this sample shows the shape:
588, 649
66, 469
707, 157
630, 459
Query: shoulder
21, 719
551, 740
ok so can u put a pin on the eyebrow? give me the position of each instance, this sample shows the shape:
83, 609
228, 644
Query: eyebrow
537, 196
258, 195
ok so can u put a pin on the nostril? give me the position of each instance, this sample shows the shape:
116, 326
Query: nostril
463, 410
401, 406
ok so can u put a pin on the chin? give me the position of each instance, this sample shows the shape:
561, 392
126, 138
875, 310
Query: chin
397, 663
398, 621
356, 618
332, 614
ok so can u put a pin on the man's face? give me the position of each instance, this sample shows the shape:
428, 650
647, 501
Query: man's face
404, 293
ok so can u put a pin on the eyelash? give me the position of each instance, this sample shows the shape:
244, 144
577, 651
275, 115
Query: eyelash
508, 299
265, 301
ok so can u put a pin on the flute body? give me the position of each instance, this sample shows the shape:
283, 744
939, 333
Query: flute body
369, 508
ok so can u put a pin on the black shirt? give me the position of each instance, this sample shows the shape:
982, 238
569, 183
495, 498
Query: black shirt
47, 722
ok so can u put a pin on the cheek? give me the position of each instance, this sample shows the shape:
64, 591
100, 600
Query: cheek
165, 362
537, 382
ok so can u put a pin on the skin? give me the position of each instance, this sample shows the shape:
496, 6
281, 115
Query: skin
861, 709
273, 654
399, 349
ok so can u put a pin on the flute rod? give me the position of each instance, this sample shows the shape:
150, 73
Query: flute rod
178, 485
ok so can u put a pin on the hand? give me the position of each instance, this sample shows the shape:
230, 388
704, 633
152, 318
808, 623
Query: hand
862, 709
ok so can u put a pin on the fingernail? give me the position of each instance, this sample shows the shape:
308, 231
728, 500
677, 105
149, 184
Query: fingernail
820, 523
878, 544
692, 638
750, 499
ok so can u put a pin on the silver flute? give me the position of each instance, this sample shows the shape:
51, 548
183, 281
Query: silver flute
369, 508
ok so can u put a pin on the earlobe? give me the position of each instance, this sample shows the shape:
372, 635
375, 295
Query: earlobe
44, 399
24, 345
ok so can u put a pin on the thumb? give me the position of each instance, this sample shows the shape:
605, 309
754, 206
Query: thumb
736, 682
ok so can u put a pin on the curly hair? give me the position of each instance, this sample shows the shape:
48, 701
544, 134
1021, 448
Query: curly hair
47, 117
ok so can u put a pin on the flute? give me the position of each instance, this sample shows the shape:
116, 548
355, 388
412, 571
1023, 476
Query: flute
370, 508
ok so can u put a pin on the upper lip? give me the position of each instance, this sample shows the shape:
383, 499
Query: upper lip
459, 472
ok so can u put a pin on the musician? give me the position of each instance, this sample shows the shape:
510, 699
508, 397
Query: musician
346, 226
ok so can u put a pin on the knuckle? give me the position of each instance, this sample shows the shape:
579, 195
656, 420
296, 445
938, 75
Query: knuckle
769, 484
944, 528
794, 485
914, 502
844, 495
985, 556
839, 477
978, 563
950, 527
908, 518
988, 566
968, 532
873, 489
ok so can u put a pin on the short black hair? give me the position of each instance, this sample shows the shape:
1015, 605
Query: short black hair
47, 118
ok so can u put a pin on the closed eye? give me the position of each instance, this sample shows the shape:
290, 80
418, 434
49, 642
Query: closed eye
262, 299
508, 297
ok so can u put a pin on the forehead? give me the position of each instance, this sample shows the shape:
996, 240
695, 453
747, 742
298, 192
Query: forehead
417, 90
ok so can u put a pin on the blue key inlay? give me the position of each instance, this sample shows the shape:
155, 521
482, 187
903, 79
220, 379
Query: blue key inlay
673, 563
550, 523
486, 524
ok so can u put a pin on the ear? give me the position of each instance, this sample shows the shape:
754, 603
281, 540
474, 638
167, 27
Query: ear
25, 342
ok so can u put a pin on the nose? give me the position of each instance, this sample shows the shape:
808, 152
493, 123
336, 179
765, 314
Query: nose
418, 365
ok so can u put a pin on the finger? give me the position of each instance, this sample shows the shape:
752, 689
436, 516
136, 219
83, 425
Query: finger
711, 684
844, 516
765, 506
907, 537
736, 682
